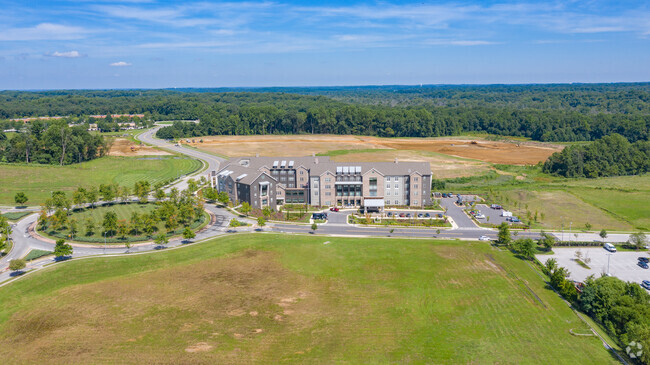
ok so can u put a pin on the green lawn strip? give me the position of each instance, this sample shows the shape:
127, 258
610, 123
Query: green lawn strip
632, 207
123, 212
36, 254
16, 216
419, 301
38, 181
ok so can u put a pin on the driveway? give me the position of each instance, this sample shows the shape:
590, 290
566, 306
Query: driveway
457, 214
623, 265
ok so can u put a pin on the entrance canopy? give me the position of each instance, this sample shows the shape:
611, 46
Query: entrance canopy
373, 203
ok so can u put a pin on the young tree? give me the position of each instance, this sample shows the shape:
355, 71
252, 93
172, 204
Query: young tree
90, 226
550, 266
20, 198
639, 240
72, 227
141, 190
267, 211
547, 241
261, 221
314, 227
161, 239
17, 264
62, 249
173, 194
136, 222
188, 234
92, 196
192, 185
159, 194
127, 244
245, 208
107, 191
526, 247
124, 193
149, 225
603, 234
588, 226
79, 197
503, 237
122, 228
223, 198
110, 222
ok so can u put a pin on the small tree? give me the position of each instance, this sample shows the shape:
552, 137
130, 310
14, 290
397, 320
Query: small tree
110, 222
603, 234
223, 198
245, 208
526, 247
17, 264
72, 227
92, 196
550, 266
314, 227
588, 226
639, 240
161, 239
127, 244
547, 241
159, 194
79, 197
188, 234
62, 249
578, 255
122, 228
267, 211
503, 237
20, 198
90, 226
261, 221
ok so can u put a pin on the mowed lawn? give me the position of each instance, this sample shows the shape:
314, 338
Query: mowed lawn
629, 206
38, 181
561, 207
276, 298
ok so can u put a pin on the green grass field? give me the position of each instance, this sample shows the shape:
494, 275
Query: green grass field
38, 181
277, 298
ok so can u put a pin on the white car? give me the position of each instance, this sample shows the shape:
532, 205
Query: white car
480, 216
484, 238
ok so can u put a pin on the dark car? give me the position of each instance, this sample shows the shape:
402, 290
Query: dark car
389, 214
427, 215
420, 215
408, 215
642, 264
439, 215
646, 284
644, 259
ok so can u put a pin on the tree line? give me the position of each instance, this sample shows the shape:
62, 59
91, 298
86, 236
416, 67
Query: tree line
53, 142
544, 113
609, 156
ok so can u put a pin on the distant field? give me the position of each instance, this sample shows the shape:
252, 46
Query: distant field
129, 148
277, 298
38, 181
632, 207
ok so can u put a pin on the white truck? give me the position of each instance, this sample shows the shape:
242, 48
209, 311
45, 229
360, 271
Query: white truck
506, 213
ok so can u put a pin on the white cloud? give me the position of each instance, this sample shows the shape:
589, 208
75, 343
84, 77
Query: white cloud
43, 31
120, 64
69, 54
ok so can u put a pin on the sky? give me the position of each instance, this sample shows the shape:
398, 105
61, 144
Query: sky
101, 44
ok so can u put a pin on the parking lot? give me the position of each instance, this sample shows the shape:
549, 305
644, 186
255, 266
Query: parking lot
494, 214
623, 265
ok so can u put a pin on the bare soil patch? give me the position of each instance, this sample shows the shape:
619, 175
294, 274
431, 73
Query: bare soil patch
124, 147
517, 153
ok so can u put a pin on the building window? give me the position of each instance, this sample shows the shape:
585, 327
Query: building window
416, 178
328, 186
396, 186
302, 172
415, 186
315, 193
415, 202
387, 186
302, 178
328, 193
372, 184
416, 193
328, 179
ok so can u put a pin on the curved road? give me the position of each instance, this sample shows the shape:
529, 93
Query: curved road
24, 241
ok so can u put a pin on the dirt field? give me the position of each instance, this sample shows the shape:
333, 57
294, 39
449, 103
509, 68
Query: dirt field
124, 147
487, 151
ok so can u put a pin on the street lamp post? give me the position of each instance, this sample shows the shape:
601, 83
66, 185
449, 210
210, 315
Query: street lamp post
570, 223
104, 242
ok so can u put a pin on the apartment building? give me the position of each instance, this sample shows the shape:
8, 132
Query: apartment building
318, 181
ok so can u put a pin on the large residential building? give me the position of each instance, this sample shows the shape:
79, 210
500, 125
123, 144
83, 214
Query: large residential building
317, 181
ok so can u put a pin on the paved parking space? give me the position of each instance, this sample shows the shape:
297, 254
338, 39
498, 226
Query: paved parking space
623, 265
494, 214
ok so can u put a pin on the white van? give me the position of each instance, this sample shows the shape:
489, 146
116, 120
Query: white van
609, 247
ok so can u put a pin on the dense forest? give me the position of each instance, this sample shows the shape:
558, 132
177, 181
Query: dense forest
609, 156
541, 112
51, 143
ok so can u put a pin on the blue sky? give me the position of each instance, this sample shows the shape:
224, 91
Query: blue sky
154, 44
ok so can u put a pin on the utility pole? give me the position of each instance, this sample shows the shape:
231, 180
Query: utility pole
104, 242
570, 223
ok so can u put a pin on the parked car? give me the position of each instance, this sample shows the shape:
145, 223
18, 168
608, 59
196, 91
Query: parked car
609, 247
439, 215
480, 216
402, 215
514, 219
408, 215
495, 206
444, 195
427, 215
484, 238
334, 209
644, 259
420, 215
389, 214
643, 264
646, 284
